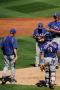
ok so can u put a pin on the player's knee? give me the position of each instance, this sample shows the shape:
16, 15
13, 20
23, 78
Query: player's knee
52, 68
47, 69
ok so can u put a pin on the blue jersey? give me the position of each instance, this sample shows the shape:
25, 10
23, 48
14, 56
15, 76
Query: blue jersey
37, 32
49, 50
8, 45
54, 25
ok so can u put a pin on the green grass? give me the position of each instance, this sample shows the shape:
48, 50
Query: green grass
25, 87
32, 7
28, 8
5, 1
26, 53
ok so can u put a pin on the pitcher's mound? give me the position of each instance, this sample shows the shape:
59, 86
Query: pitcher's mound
31, 76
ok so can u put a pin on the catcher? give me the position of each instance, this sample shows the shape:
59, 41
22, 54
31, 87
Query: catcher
49, 61
9, 49
38, 35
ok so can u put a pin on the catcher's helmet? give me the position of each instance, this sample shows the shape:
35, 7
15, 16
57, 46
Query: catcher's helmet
13, 31
48, 37
40, 25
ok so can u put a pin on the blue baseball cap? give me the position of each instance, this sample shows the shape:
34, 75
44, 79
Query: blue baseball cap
40, 25
13, 31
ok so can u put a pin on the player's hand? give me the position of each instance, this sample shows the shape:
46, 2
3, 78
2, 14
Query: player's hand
14, 60
40, 39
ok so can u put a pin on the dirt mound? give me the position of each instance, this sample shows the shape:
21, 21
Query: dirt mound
31, 76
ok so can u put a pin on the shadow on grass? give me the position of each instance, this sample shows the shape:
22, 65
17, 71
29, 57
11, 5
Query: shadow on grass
41, 83
5, 1
32, 65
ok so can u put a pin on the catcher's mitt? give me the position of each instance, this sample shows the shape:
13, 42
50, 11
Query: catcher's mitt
41, 38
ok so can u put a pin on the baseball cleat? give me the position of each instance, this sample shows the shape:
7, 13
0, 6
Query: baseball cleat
51, 86
46, 85
13, 81
3, 81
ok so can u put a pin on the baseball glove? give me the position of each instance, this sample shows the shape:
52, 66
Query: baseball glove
41, 38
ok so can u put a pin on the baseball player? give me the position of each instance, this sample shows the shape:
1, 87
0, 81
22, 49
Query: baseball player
38, 35
49, 60
9, 48
54, 28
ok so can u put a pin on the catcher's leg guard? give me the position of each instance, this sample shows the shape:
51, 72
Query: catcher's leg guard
47, 74
52, 74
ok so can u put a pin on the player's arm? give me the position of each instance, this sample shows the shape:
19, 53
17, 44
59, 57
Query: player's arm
15, 53
52, 30
34, 34
15, 57
15, 46
42, 55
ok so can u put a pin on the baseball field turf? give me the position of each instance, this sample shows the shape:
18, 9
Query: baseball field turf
21, 87
26, 45
28, 8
